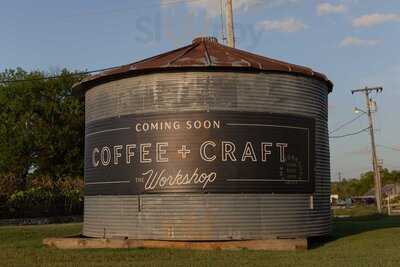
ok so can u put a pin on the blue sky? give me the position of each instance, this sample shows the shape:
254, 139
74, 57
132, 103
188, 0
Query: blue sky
355, 42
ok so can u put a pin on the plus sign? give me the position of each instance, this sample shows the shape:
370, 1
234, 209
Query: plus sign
184, 151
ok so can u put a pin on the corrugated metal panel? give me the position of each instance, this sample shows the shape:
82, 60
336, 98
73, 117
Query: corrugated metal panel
203, 217
213, 216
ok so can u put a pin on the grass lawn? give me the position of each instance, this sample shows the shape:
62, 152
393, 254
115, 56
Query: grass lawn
359, 241
356, 211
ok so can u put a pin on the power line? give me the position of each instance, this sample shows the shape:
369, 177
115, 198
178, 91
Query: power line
136, 8
347, 123
350, 134
389, 147
393, 167
151, 5
55, 76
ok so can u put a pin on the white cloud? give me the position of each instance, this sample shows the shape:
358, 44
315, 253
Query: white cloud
327, 8
354, 41
375, 19
284, 25
213, 8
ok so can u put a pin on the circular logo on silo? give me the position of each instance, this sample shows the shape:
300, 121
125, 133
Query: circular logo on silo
293, 168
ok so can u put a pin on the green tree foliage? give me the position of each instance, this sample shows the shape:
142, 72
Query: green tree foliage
42, 126
358, 187
45, 197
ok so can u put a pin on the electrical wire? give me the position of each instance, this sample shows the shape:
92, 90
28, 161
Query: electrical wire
136, 8
393, 167
389, 147
55, 76
350, 134
162, 3
146, 6
346, 123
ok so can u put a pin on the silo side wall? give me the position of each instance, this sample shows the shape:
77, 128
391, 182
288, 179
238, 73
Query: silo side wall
213, 216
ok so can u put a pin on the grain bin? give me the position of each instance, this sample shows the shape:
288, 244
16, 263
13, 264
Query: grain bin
206, 142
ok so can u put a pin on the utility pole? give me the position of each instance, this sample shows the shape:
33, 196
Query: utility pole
340, 176
229, 24
375, 166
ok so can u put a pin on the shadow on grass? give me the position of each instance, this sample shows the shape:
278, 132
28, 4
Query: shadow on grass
343, 227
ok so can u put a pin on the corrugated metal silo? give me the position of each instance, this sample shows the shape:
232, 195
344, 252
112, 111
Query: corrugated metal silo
207, 142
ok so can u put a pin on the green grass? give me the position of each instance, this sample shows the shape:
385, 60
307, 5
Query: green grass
361, 241
356, 211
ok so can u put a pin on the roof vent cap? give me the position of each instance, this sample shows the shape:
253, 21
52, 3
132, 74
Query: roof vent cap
208, 39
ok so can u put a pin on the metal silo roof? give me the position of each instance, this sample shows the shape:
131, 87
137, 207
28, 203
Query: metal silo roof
205, 53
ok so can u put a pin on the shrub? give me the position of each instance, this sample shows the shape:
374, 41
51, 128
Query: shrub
45, 198
34, 202
70, 189
8, 185
44, 182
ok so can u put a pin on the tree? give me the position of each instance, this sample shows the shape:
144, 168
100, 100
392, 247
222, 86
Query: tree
42, 126
359, 187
